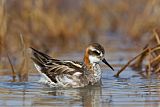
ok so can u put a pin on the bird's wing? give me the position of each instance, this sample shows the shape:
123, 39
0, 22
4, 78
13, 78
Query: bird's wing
64, 67
53, 67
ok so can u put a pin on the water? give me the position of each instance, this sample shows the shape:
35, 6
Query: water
129, 90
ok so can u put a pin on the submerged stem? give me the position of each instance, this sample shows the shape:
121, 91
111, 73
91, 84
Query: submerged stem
126, 65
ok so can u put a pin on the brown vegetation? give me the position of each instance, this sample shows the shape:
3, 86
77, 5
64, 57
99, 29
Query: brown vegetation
59, 23
147, 62
48, 24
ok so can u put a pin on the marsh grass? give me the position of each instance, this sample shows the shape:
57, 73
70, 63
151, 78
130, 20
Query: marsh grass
48, 24
55, 24
24, 66
147, 62
12, 68
20, 72
2, 24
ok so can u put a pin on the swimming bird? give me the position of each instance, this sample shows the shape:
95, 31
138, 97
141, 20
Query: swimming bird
64, 73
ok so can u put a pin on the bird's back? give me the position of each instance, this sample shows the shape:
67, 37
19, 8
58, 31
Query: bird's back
60, 72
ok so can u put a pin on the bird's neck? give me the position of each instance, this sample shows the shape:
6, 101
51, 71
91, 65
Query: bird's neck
87, 62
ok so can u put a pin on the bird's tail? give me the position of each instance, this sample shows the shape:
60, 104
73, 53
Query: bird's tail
39, 58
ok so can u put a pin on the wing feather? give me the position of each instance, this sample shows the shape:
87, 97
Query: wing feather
54, 67
62, 67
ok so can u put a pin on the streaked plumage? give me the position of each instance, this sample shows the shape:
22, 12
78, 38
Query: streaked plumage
62, 73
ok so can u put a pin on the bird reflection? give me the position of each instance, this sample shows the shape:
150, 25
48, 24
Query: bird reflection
90, 96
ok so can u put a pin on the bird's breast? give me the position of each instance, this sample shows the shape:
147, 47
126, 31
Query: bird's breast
97, 72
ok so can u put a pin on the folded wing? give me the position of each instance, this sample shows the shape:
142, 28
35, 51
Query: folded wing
54, 67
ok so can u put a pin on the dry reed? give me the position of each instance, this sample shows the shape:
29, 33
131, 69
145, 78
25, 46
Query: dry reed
12, 68
149, 57
24, 67
47, 24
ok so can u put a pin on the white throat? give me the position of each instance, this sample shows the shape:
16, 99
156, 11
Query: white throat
93, 59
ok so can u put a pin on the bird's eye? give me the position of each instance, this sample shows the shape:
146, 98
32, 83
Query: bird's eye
96, 52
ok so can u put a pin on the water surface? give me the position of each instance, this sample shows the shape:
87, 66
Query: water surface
129, 90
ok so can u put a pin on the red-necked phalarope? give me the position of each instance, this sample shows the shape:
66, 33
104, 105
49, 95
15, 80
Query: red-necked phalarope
62, 73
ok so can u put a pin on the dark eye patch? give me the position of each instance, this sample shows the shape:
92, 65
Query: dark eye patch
94, 52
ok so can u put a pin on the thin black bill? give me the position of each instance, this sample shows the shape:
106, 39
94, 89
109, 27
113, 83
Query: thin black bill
104, 60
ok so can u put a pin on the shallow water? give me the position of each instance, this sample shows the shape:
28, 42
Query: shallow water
129, 90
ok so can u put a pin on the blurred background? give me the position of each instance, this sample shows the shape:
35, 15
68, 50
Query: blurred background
63, 29
60, 23
64, 26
